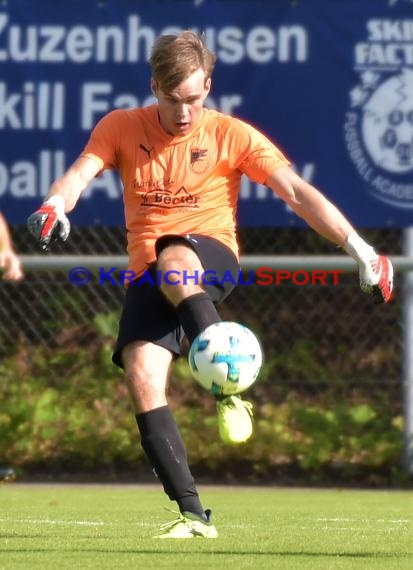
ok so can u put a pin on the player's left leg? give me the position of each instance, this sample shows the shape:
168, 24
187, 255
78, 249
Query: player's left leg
192, 255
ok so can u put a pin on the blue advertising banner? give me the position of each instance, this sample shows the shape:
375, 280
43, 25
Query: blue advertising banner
330, 81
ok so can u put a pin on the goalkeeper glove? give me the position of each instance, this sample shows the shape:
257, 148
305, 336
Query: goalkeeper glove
375, 271
49, 221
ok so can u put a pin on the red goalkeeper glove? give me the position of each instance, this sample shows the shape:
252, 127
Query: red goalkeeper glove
49, 222
375, 271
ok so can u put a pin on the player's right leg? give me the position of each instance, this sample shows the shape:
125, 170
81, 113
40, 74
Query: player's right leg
146, 364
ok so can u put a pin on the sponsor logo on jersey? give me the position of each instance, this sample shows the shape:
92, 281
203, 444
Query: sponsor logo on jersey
162, 198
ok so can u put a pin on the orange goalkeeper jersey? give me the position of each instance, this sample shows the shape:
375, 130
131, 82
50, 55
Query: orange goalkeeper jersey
180, 185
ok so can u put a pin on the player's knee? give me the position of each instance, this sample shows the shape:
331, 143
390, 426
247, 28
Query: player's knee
177, 255
179, 272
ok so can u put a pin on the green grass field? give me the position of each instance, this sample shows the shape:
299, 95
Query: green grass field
111, 527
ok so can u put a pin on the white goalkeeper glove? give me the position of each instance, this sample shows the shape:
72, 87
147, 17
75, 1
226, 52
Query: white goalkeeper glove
49, 222
375, 271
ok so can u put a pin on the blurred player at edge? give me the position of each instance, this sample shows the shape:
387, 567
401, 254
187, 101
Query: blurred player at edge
10, 270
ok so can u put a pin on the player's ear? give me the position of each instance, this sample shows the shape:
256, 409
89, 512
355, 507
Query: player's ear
154, 87
208, 85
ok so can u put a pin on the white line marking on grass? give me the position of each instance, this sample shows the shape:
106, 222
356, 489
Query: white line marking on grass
343, 519
73, 522
334, 519
50, 521
395, 521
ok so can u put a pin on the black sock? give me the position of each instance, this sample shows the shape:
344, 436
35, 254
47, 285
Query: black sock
166, 452
196, 313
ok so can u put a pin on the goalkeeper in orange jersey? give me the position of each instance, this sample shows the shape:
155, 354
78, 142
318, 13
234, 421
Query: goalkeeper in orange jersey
181, 166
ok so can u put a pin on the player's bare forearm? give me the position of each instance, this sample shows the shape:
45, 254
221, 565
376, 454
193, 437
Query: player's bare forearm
322, 216
375, 271
74, 181
311, 205
5, 237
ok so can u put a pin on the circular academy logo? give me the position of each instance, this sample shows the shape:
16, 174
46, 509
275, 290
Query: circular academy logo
387, 124
379, 134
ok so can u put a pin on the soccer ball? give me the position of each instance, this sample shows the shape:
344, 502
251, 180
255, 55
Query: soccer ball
225, 358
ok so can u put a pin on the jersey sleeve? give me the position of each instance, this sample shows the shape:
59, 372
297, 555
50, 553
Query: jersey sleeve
259, 157
103, 143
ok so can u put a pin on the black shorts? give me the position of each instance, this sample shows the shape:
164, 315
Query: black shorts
148, 315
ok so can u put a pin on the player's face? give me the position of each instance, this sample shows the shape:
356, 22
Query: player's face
180, 110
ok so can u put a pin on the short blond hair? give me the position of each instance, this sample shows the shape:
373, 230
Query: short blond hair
175, 57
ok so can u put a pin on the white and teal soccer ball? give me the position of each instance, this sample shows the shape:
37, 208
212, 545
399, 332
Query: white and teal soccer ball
225, 358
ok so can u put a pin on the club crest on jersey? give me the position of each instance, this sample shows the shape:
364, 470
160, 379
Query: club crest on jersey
199, 160
378, 127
